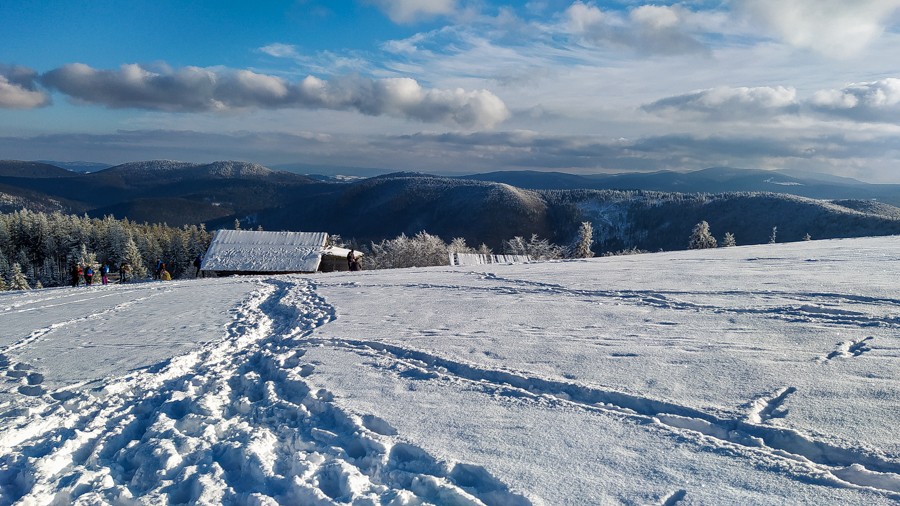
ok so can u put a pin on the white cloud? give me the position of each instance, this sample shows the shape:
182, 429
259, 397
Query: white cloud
647, 29
730, 103
194, 89
877, 101
407, 11
279, 50
838, 28
583, 19
17, 90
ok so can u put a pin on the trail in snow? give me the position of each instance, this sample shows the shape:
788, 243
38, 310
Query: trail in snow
31, 380
808, 307
232, 422
790, 451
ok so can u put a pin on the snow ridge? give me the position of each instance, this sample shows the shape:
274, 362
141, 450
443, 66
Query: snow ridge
232, 422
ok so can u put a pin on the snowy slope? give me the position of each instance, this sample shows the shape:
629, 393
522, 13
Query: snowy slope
751, 375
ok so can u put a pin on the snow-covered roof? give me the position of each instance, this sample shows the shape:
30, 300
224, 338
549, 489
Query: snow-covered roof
257, 251
337, 251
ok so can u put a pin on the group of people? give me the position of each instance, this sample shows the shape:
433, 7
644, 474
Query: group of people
86, 272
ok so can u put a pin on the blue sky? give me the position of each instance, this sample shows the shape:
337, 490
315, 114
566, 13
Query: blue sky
457, 86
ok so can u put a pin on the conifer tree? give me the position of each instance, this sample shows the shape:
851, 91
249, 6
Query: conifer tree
133, 257
701, 238
728, 240
17, 280
585, 241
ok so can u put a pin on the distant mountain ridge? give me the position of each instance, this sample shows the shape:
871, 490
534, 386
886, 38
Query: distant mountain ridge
477, 209
710, 180
78, 166
183, 170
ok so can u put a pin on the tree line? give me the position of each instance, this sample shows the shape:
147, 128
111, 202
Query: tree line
40, 249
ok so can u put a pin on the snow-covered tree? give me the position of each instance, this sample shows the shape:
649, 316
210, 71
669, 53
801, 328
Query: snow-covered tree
701, 238
728, 240
536, 248
807, 237
458, 245
585, 241
133, 256
774, 235
17, 279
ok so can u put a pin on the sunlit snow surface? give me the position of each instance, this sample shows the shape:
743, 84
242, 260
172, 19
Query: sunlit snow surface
750, 375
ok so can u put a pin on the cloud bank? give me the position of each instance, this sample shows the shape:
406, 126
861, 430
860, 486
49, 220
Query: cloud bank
195, 89
868, 102
877, 101
18, 90
730, 103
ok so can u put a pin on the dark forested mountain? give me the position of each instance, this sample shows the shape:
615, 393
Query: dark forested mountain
177, 193
711, 180
36, 170
78, 166
216, 194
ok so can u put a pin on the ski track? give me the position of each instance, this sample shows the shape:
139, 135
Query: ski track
24, 373
57, 295
233, 422
797, 455
810, 307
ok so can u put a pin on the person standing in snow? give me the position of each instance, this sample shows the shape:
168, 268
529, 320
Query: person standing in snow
76, 274
197, 263
124, 272
104, 274
353, 262
164, 274
159, 267
88, 275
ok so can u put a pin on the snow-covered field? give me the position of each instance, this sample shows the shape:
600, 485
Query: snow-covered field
750, 375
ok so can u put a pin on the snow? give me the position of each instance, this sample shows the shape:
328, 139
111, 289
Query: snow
747, 375
259, 251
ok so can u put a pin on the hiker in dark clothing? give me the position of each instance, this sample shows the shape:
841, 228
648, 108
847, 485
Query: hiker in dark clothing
76, 274
104, 274
159, 267
353, 262
124, 272
197, 263
88, 275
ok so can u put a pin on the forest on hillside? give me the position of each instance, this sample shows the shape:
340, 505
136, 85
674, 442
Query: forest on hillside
41, 248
